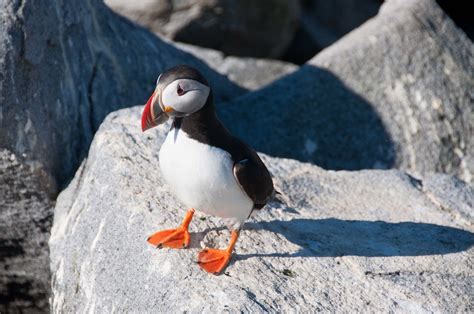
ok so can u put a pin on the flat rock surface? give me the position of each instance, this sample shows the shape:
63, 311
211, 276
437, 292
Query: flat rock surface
397, 92
375, 240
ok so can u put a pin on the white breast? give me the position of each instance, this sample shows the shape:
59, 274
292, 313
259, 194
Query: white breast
202, 177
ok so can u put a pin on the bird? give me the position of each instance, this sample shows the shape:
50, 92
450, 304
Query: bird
205, 166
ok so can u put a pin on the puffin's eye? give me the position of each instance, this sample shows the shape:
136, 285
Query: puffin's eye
180, 90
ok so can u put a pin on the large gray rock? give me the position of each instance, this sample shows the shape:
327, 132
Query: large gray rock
26, 212
261, 28
350, 241
395, 93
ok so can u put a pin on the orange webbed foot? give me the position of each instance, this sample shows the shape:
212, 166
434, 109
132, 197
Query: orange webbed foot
172, 238
214, 261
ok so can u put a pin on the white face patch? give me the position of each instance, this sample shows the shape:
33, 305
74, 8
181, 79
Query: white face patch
184, 95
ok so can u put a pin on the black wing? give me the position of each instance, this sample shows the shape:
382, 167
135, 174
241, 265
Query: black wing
255, 179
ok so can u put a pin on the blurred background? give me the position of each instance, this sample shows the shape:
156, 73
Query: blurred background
292, 31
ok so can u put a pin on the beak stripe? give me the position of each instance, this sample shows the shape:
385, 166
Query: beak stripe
147, 116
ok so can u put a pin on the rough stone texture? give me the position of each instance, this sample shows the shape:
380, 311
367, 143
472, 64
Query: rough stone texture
249, 73
261, 28
451, 194
26, 212
396, 92
369, 240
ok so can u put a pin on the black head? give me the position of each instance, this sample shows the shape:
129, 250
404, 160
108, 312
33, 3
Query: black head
180, 91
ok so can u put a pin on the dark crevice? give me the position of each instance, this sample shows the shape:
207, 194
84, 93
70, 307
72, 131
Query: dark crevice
11, 248
253, 297
417, 183
21, 29
461, 13
22, 297
90, 99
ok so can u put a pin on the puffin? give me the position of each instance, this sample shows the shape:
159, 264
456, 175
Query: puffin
205, 166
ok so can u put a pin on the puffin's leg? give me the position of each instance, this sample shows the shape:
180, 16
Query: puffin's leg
213, 260
173, 238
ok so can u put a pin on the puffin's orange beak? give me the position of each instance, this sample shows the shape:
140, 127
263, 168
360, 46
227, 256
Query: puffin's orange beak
152, 114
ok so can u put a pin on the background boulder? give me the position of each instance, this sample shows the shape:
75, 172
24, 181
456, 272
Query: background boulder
349, 240
249, 73
321, 23
247, 28
394, 93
